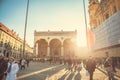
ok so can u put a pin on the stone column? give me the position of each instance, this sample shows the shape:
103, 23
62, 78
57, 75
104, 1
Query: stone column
36, 49
62, 51
48, 51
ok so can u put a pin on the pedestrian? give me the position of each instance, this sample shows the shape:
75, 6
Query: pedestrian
27, 61
3, 66
12, 69
114, 63
109, 69
75, 64
70, 64
50, 60
90, 67
23, 62
79, 66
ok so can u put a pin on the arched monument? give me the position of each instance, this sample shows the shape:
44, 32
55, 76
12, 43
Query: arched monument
55, 44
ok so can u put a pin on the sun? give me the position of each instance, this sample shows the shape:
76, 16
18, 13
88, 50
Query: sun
80, 41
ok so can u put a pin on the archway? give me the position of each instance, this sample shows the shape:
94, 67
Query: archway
42, 48
68, 46
55, 48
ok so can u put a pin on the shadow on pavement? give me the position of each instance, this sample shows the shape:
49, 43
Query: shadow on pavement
63, 77
70, 76
77, 76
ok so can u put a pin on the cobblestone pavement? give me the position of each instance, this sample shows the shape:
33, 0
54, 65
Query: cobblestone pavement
45, 71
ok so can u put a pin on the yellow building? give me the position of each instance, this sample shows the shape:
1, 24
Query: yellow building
105, 24
11, 44
100, 11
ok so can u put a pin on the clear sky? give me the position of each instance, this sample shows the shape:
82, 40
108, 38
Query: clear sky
67, 15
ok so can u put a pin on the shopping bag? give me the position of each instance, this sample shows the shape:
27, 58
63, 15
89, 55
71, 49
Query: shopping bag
87, 73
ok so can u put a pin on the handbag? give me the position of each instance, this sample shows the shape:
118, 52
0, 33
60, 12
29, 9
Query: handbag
87, 73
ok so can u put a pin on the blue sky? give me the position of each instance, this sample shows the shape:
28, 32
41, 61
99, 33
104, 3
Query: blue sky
44, 15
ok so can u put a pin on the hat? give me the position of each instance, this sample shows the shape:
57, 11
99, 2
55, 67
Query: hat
1, 54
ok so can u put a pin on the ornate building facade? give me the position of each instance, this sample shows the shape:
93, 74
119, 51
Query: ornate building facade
105, 24
11, 44
100, 11
55, 44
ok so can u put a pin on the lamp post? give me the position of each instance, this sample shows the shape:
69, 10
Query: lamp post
86, 23
26, 19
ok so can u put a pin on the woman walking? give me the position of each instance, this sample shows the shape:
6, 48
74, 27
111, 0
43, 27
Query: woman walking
12, 69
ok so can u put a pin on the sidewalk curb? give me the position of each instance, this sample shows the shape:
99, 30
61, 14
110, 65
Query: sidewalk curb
106, 72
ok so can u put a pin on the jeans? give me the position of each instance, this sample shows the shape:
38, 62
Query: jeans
111, 76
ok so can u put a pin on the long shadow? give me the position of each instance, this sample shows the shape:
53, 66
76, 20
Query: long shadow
78, 76
70, 76
43, 75
52, 71
63, 77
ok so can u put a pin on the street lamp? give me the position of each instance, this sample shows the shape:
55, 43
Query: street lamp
26, 18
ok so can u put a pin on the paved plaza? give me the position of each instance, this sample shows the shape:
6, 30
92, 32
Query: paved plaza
46, 71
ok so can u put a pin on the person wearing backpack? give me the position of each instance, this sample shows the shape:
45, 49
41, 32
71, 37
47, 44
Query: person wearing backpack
108, 67
12, 69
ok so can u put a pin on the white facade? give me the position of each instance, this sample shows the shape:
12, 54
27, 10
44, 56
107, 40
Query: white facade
50, 35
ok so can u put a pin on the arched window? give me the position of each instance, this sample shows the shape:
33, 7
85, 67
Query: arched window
1, 43
107, 16
114, 9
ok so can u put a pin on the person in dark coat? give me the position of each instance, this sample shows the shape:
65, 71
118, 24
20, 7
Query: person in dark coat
3, 66
69, 64
28, 61
90, 66
109, 66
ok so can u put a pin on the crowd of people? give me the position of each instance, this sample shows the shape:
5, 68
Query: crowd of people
90, 64
9, 67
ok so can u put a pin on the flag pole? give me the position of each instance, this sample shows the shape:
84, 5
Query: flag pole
26, 19
87, 42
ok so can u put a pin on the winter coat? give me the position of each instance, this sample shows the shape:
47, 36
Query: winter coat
91, 65
3, 67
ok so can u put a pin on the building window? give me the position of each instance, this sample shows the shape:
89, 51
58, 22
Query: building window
103, 6
1, 43
107, 16
99, 21
114, 9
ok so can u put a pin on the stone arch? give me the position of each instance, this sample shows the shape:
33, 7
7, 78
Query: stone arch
42, 48
54, 38
55, 48
68, 48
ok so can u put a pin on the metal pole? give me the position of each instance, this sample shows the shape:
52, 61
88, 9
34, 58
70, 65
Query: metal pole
86, 24
26, 18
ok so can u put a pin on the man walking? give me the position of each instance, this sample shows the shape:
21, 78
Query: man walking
90, 66
3, 66
23, 62
108, 66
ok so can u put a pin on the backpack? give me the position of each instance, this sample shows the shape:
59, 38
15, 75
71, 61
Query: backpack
106, 64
